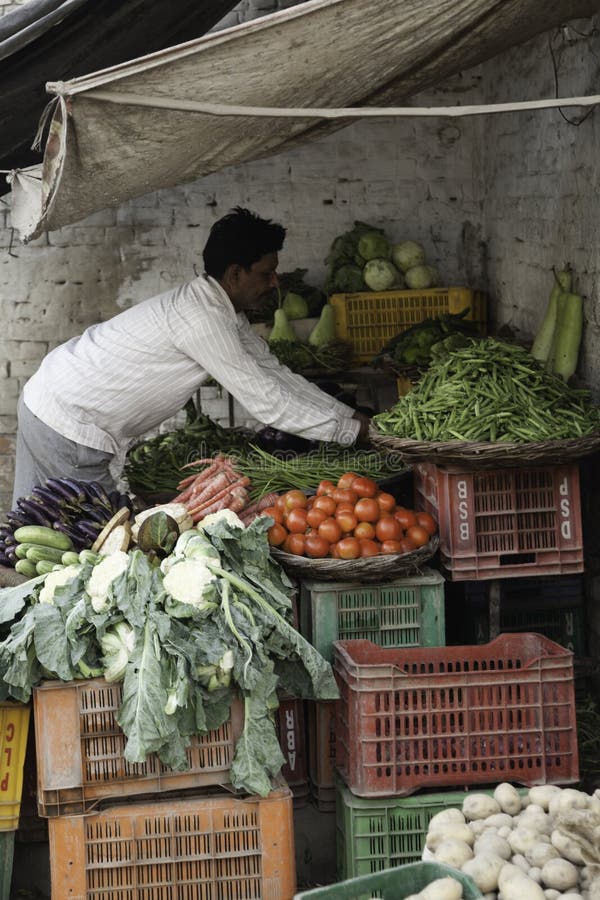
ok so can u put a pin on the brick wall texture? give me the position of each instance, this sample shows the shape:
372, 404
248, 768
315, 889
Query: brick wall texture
496, 200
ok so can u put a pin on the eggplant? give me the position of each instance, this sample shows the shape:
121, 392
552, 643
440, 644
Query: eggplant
96, 513
79, 539
124, 501
34, 512
77, 487
46, 495
97, 493
57, 486
16, 518
89, 529
11, 556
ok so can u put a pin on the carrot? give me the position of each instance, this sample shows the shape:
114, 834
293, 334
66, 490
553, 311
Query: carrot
203, 462
223, 503
267, 500
200, 507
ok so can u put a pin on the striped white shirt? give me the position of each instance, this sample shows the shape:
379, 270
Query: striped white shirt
123, 377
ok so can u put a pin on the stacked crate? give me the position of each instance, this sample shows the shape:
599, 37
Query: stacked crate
14, 726
143, 829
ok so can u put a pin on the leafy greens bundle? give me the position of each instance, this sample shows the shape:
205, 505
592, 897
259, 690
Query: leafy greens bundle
213, 619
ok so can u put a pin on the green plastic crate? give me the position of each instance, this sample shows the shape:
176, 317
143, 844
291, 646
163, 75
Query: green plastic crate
7, 845
393, 884
406, 612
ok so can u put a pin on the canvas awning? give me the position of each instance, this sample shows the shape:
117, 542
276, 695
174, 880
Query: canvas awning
45, 39
235, 95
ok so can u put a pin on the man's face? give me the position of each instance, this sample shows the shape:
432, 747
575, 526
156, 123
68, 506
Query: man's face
247, 287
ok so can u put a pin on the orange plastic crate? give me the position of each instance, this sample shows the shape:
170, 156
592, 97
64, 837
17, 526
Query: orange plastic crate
504, 523
204, 848
445, 716
79, 749
14, 726
369, 319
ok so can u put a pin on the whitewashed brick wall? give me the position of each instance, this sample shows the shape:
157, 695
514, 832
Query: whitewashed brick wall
495, 200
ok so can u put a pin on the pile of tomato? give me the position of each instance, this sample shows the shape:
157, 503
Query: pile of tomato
347, 520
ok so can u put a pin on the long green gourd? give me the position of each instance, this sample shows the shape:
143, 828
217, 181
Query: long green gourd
569, 331
542, 345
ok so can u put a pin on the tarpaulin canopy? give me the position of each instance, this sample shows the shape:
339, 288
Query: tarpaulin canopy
254, 90
46, 39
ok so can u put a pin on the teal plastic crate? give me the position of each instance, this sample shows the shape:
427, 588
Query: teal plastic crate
406, 612
393, 884
7, 846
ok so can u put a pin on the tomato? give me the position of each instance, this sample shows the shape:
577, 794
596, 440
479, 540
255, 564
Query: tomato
341, 496
364, 487
276, 534
406, 517
345, 480
327, 504
325, 487
348, 548
280, 503
418, 535
367, 510
386, 501
369, 548
295, 498
294, 543
392, 547
274, 513
297, 520
334, 552
316, 546
387, 529
407, 545
346, 520
314, 517
345, 507
364, 530
331, 530
427, 522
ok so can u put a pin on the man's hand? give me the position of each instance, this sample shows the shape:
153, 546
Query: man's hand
362, 439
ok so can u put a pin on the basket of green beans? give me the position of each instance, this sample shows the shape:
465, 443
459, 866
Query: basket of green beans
489, 404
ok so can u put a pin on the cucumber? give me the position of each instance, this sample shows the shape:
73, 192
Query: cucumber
37, 552
45, 565
70, 558
21, 550
88, 556
25, 567
47, 537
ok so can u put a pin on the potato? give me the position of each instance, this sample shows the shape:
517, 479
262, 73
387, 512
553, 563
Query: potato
499, 820
449, 832
508, 798
454, 853
442, 889
484, 870
559, 874
540, 853
489, 842
514, 884
522, 839
446, 817
479, 806
568, 798
541, 794
567, 848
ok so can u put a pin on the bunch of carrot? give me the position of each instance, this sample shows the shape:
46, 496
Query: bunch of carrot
218, 486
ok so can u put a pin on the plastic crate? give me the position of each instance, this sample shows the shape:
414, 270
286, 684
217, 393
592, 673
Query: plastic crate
204, 848
321, 715
7, 848
369, 319
80, 750
443, 716
553, 607
291, 730
504, 523
393, 884
14, 726
406, 612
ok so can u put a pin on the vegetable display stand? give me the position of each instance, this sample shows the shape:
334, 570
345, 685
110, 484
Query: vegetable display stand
14, 727
550, 606
504, 523
445, 716
202, 848
369, 319
405, 612
290, 723
393, 884
80, 750
320, 718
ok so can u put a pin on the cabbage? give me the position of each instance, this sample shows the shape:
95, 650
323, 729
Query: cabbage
381, 275
420, 277
374, 245
408, 254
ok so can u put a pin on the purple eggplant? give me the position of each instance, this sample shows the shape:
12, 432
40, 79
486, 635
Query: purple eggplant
16, 518
33, 512
97, 494
46, 495
95, 513
10, 555
78, 538
88, 528
58, 488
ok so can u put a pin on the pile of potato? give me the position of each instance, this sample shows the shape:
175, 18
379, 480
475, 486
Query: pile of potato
540, 844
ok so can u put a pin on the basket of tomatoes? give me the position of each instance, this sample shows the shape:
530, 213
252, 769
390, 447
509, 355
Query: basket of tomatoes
350, 531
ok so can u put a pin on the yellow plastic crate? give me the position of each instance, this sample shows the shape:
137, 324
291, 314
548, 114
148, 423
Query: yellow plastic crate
14, 725
368, 320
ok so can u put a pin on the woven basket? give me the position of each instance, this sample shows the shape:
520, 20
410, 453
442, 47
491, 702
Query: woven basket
369, 570
485, 454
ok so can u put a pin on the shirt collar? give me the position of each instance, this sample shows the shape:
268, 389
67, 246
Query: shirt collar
224, 298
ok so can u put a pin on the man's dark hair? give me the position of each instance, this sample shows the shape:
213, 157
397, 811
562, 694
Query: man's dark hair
240, 237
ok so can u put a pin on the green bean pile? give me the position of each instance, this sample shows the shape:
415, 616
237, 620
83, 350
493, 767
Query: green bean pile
490, 390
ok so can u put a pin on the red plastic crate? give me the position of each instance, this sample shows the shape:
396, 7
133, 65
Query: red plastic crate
291, 731
80, 746
445, 716
200, 848
504, 523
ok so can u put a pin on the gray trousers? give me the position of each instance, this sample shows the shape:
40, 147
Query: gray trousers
43, 453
